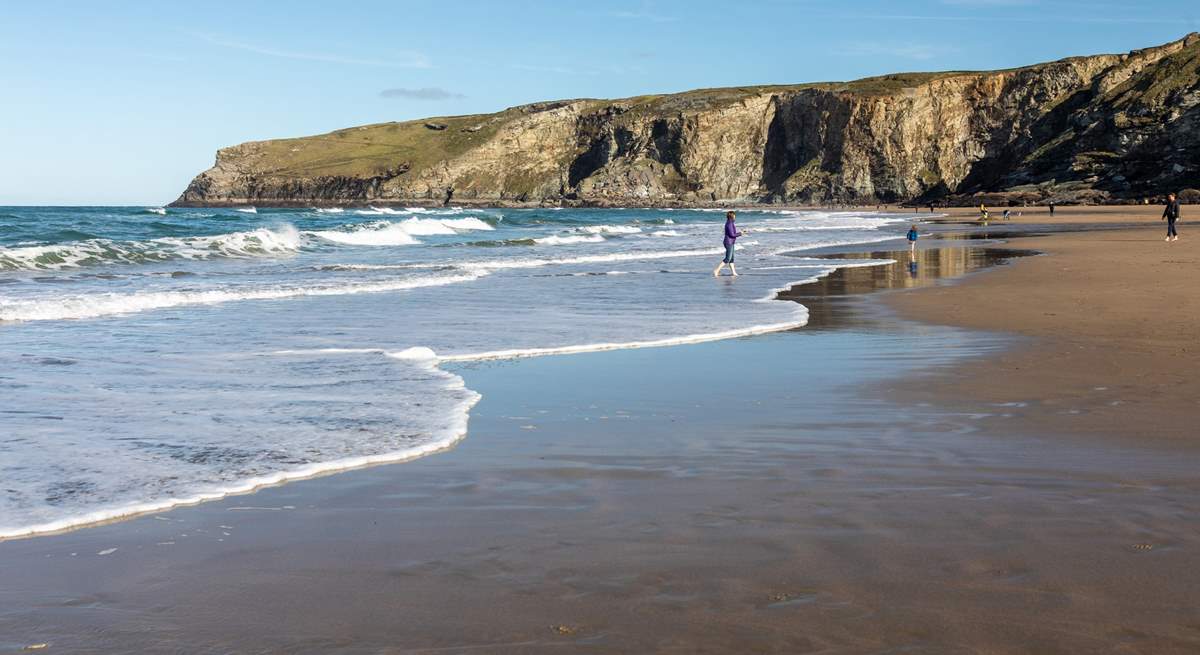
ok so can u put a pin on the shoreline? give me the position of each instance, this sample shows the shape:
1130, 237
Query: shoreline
608, 505
737, 205
1108, 322
446, 442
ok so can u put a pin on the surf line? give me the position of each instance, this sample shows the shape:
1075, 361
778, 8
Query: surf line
454, 432
422, 353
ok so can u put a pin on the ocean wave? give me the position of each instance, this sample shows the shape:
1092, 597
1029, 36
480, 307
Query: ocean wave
248, 210
380, 234
568, 240
444, 428
610, 229
262, 242
402, 233
516, 353
108, 304
517, 263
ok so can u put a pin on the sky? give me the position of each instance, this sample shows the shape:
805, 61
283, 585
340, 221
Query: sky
106, 103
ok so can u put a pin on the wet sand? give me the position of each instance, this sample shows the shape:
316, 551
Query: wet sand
754, 495
1114, 326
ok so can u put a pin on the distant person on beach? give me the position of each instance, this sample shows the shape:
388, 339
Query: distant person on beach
731, 236
1007, 215
1171, 213
931, 208
912, 239
1051, 207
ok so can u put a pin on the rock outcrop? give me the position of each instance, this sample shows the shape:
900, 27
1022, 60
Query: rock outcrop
1105, 128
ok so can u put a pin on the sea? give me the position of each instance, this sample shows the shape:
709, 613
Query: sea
152, 357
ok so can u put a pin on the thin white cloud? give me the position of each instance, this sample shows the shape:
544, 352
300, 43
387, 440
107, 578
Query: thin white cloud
917, 51
642, 16
425, 93
404, 59
537, 68
1016, 19
989, 3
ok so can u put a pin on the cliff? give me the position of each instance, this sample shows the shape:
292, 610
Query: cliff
1089, 129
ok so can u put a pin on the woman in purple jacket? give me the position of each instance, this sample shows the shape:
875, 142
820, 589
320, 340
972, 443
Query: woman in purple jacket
731, 235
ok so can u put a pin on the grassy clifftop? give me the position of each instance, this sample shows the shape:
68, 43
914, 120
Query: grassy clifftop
1107, 125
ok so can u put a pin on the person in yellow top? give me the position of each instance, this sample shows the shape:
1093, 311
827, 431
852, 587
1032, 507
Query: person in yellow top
983, 212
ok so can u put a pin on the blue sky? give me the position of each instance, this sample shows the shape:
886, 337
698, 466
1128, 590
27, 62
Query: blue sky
123, 102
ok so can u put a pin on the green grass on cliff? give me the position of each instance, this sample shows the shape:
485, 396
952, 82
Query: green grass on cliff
371, 150
1179, 72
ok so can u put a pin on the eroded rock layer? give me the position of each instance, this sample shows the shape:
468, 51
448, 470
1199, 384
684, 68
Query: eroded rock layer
1088, 129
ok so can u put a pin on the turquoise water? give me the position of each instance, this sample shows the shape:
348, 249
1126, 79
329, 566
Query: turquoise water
153, 357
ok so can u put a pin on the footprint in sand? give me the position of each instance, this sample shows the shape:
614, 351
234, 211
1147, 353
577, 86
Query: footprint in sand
1142, 547
785, 599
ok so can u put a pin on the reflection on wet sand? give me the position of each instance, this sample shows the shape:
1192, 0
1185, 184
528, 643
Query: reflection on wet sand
829, 299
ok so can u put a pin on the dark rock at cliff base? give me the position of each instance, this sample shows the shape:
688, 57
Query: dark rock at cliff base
1105, 128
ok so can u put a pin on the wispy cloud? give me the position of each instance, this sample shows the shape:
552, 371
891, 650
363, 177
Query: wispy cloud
538, 68
404, 59
567, 70
918, 51
647, 16
425, 93
989, 3
991, 18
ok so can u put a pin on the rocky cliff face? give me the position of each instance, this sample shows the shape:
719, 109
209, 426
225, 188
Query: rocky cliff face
1093, 129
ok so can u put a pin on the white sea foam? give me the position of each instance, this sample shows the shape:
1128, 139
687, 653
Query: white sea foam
610, 229
161, 211
262, 242
375, 234
251, 243
514, 262
248, 210
108, 304
515, 353
330, 210
402, 233
451, 429
555, 240
443, 226
202, 413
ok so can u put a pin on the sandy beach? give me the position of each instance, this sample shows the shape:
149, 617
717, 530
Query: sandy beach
958, 482
1113, 320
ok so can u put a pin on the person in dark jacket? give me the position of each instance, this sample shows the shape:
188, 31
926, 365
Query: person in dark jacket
1171, 213
731, 235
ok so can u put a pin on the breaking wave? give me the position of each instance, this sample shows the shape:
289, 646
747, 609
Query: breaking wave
262, 242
